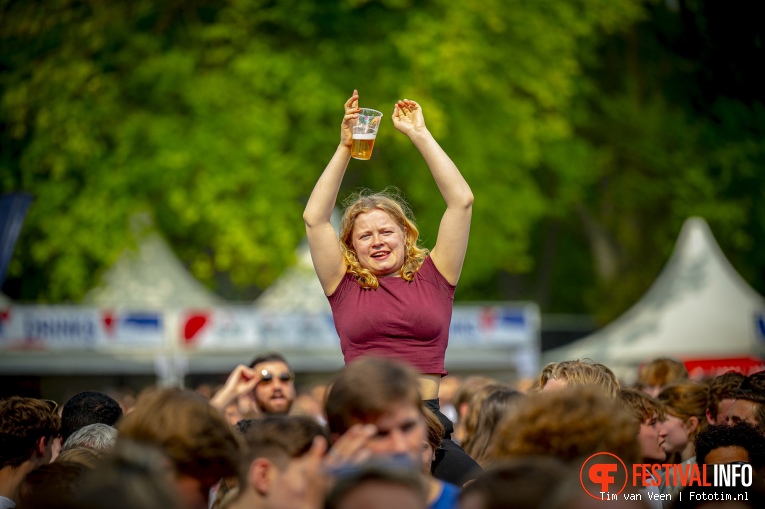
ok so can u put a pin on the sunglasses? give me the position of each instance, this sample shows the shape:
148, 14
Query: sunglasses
52, 404
266, 377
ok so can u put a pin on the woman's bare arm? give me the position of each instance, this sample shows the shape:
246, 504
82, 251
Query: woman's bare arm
448, 254
322, 239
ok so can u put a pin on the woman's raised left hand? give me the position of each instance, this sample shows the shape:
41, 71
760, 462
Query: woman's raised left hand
408, 117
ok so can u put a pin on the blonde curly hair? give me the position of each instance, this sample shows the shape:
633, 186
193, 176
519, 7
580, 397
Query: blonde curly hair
390, 201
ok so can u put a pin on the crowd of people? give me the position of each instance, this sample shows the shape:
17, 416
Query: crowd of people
376, 443
390, 429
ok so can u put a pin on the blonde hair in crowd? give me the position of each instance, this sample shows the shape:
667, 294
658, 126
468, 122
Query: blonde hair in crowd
577, 373
390, 201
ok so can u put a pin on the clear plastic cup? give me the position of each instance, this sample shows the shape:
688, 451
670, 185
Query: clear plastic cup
364, 133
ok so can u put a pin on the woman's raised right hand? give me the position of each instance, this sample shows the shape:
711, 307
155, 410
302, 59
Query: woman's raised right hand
349, 120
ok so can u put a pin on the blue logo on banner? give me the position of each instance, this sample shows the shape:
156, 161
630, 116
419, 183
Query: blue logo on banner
514, 318
761, 326
149, 321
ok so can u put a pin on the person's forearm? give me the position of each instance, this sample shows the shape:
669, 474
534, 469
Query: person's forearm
324, 194
221, 399
454, 189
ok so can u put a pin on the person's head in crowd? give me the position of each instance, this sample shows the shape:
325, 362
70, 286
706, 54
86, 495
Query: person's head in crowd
654, 375
521, 483
28, 428
134, 475
88, 407
377, 485
57, 484
273, 470
575, 373
570, 424
470, 419
275, 393
721, 444
749, 401
81, 455
195, 437
686, 404
306, 404
721, 395
497, 406
384, 393
433, 439
650, 414
461, 401
97, 436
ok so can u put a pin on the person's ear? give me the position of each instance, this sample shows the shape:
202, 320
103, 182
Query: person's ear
261, 475
42, 443
710, 419
691, 425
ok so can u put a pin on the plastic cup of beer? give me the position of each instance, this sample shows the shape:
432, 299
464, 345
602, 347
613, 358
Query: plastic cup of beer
364, 133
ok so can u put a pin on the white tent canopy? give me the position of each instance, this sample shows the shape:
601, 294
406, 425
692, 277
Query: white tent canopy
150, 278
698, 307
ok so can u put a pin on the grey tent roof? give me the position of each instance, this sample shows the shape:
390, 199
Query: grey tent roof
298, 289
698, 307
150, 277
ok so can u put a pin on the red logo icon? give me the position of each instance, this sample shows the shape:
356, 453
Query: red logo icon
603, 475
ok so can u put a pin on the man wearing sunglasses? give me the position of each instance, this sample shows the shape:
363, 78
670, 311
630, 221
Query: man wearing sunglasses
268, 382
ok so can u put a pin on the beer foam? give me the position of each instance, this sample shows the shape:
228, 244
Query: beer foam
364, 136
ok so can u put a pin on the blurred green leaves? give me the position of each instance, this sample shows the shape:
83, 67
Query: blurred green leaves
216, 118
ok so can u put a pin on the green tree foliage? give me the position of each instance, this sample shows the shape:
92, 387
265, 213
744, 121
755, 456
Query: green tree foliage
588, 130
217, 117
671, 127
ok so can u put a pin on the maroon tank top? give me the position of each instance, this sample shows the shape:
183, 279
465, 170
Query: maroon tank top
405, 320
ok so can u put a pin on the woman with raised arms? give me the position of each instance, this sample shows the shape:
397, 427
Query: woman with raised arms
390, 297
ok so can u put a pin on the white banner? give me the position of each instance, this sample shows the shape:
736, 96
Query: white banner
72, 328
229, 328
516, 325
225, 328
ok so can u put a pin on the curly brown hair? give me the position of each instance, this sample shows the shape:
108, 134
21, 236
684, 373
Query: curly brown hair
23, 422
570, 424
